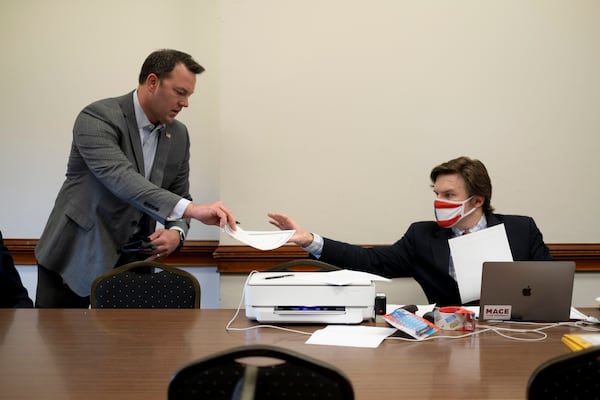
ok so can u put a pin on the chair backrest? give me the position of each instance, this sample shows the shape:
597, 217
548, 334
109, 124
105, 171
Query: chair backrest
145, 284
259, 372
304, 265
570, 376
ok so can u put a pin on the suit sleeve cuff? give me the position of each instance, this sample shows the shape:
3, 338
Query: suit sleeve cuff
178, 210
316, 247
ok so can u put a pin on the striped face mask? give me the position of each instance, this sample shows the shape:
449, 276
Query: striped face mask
448, 213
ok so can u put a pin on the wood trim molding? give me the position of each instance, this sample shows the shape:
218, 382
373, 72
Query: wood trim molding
243, 259
585, 255
21, 250
195, 252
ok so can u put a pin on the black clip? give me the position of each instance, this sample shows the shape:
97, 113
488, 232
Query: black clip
138, 246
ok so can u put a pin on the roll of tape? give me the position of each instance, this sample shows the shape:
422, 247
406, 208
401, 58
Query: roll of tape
454, 319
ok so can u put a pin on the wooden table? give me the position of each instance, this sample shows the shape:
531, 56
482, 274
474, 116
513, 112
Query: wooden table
132, 354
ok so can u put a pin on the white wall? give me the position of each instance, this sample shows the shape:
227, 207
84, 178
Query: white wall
335, 111
58, 56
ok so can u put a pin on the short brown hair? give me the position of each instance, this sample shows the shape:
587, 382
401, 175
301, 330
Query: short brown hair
474, 173
162, 62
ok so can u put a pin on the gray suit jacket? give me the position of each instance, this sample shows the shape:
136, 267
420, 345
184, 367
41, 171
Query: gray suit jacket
105, 198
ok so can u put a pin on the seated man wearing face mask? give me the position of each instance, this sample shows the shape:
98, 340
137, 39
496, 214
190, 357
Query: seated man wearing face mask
463, 204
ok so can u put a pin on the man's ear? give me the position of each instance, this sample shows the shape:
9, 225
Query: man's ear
478, 201
152, 82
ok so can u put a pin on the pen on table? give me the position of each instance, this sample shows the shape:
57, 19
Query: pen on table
278, 276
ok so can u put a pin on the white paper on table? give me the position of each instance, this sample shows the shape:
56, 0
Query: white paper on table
469, 252
352, 336
342, 277
262, 240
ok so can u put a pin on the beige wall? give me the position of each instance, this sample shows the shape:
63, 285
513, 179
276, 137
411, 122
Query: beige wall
333, 111
58, 56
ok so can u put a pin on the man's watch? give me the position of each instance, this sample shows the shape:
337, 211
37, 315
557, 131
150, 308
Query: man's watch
181, 239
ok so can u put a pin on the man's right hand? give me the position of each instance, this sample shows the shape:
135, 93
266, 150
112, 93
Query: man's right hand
211, 214
301, 237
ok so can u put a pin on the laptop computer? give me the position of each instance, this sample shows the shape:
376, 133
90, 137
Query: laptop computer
526, 290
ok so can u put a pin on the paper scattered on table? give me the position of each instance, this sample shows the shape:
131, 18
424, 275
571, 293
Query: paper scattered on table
262, 240
342, 277
351, 336
576, 314
469, 253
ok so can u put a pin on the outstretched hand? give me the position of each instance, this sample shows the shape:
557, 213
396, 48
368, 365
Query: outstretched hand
302, 237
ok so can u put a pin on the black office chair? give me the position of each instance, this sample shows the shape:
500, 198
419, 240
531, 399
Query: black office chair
304, 265
145, 284
259, 372
570, 376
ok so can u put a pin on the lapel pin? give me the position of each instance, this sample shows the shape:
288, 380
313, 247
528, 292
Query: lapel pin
168, 135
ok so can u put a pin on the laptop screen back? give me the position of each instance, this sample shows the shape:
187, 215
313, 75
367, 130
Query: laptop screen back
527, 290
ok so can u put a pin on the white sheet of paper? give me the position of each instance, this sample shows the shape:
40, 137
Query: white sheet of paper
343, 277
352, 336
262, 240
469, 253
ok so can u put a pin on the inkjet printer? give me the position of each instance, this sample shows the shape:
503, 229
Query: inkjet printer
335, 297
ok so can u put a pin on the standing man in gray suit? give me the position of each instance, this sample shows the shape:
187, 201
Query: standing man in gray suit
128, 168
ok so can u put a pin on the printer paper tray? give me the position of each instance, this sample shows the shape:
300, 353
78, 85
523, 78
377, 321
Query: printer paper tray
306, 310
350, 315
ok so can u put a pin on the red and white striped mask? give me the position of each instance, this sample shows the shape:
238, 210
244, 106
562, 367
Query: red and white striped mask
448, 213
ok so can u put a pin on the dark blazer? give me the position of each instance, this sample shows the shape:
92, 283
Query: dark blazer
424, 254
105, 198
12, 291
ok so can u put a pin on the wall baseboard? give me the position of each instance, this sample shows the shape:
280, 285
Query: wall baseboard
243, 259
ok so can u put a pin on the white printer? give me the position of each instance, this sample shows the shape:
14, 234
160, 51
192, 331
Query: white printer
336, 297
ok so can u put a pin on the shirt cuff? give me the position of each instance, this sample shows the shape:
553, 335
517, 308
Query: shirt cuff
316, 247
178, 210
177, 228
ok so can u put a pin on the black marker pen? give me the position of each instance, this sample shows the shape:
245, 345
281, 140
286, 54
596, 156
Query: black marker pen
278, 276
